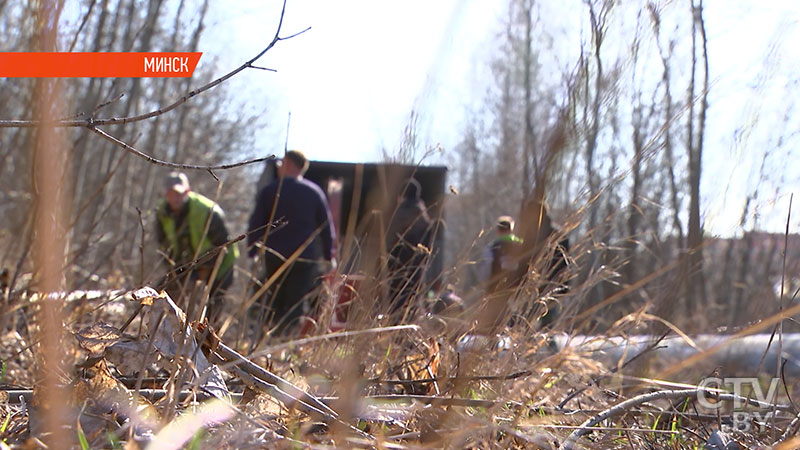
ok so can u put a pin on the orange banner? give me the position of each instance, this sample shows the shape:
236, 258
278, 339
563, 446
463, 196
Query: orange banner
135, 65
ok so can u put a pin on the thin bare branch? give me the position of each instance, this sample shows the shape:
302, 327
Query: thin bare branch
83, 24
159, 162
446, 401
587, 426
654, 345
106, 103
292, 35
511, 376
284, 390
338, 334
263, 68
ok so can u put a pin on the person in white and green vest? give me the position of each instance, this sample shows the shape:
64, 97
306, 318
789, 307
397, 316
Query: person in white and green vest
502, 256
497, 271
191, 233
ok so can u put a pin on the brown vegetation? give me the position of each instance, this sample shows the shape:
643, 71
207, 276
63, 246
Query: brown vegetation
617, 155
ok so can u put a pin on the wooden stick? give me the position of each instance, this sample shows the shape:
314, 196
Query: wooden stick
282, 389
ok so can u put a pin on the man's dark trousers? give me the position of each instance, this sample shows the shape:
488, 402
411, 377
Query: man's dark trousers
293, 294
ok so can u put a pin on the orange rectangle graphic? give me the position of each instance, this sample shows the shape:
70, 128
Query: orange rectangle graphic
128, 64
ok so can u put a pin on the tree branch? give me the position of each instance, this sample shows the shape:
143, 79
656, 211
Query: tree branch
88, 123
622, 407
92, 124
159, 162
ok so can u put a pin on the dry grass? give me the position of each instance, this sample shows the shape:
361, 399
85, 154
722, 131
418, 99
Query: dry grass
426, 386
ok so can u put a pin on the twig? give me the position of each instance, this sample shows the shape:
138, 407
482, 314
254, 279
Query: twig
159, 162
597, 379
98, 107
785, 386
636, 430
133, 315
83, 24
789, 429
205, 257
280, 394
17, 395
586, 426
696, 415
336, 335
108, 102
623, 407
141, 247
446, 401
779, 325
284, 390
511, 376
213, 175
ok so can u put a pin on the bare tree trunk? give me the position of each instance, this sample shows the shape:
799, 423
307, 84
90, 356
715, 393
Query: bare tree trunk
634, 208
477, 173
528, 137
509, 151
766, 306
700, 285
104, 164
668, 113
87, 161
179, 129
593, 96
126, 222
149, 177
598, 30
695, 280
677, 225
635, 211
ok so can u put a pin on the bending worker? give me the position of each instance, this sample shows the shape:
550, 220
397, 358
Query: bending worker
189, 226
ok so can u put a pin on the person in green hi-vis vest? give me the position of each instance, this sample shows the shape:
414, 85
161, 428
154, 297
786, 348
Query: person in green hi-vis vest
502, 254
498, 272
190, 228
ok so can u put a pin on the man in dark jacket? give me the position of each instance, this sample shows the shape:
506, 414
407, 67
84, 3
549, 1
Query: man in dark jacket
408, 241
188, 227
292, 226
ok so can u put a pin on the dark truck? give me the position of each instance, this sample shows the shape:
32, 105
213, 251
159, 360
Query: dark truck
358, 192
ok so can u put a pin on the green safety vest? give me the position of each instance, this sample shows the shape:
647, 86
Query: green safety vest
510, 238
502, 253
200, 207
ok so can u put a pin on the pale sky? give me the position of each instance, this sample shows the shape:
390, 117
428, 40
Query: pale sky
353, 79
